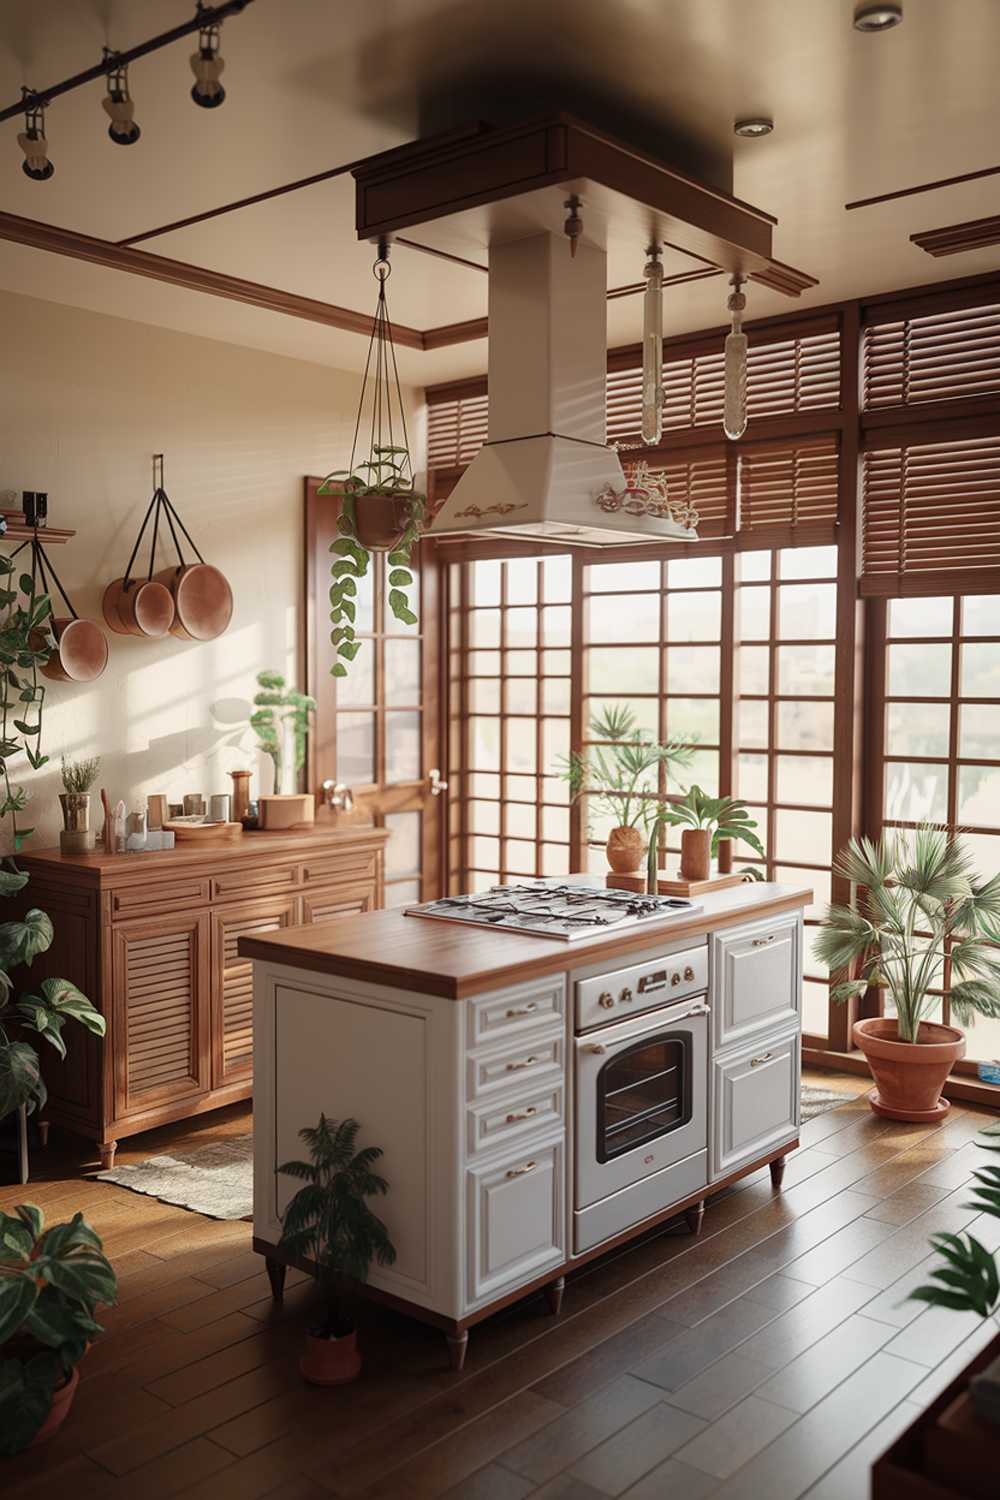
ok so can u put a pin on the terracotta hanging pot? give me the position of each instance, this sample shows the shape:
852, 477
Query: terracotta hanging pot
203, 601
381, 520
81, 652
141, 606
696, 853
909, 1076
624, 850
330, 1361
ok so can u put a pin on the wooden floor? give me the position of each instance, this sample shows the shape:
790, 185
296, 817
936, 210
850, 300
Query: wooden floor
772, 1358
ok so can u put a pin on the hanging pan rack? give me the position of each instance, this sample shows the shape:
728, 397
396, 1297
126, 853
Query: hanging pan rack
191, 600
81, 649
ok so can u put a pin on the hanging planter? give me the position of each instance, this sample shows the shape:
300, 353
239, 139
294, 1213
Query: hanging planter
191, 600
380, 511
79, 647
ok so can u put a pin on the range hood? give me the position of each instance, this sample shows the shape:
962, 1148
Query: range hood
545, 469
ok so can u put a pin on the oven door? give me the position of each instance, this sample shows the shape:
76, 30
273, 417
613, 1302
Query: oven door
641, 1090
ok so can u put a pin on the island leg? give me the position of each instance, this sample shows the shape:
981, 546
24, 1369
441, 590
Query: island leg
43, 1133
276, 1276
457, 1343
778, 1170
107, 1150
694, 1215
554, 1295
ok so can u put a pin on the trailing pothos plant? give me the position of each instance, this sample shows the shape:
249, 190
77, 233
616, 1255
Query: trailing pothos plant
25, 643
385, 476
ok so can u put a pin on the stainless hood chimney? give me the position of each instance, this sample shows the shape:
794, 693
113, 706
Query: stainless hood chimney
546, 461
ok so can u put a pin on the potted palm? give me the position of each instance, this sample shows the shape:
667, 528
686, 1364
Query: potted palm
329, 1225
52, 1282
923, 924
619, 775
705, 821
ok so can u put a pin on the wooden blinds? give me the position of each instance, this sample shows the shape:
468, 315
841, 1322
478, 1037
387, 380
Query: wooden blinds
456, 427
794, 486
945, 355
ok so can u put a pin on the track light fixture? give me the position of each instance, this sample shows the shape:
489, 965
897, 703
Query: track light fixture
207, 65
118, 103
878, 17
36, 164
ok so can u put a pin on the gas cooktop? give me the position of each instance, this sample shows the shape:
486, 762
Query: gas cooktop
565, 912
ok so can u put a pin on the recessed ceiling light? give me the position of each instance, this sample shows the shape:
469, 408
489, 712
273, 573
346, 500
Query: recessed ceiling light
753, 127
878, 17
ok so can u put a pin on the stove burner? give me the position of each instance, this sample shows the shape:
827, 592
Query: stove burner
563, 911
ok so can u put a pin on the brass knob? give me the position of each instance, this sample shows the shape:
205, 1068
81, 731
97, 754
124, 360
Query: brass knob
675, 978
689, 972
625, 996
606, 1000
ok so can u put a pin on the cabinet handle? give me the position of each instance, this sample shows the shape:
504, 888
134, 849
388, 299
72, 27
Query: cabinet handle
525, 1114
762, 942
764, 1057
522, 1010
529, 1166
525, 1063
596, 1047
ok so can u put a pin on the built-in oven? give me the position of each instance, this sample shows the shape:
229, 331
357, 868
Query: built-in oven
641, 1087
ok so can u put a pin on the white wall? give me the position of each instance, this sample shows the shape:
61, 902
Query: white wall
85, 401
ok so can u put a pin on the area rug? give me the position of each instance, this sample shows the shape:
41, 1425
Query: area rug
215, 1180
817, 1101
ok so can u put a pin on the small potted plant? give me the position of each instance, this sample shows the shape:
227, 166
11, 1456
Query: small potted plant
380, 511
78, 776
619, 774
330, 1225
705, 822
921, 914
273, 727
52, 1282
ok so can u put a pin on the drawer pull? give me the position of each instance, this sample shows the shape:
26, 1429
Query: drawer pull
764, 1057
529, 1166
762, 942
525, 1114
526, 1062
522, 1010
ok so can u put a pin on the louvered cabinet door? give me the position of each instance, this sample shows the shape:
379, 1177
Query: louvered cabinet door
161, 1004
232, 982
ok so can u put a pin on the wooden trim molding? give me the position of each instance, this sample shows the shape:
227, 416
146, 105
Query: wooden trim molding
953, 239
923, 187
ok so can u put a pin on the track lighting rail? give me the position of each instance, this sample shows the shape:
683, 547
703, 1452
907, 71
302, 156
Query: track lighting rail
206, 15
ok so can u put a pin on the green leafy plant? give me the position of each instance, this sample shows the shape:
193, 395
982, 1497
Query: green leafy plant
387, 472
329, 1223
274, 695
52, 1282
79, 775
969, 1279
725, 817
26, 643
916, 908
618, 775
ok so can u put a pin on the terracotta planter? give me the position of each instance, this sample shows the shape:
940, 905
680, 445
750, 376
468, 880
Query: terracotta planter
624, 849
81, 653
203, 601
696, 854
909, 1076
331, 1361
380, 520
58, 1411
145, 607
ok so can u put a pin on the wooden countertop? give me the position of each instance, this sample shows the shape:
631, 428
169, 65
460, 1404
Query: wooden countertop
100, 869
453, 960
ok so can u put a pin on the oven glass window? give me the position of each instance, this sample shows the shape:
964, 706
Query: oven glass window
643, 1093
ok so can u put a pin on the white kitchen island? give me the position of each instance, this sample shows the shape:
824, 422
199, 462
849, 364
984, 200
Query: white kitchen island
538, 1102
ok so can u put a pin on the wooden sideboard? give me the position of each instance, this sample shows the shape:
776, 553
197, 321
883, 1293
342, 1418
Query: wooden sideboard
151, 939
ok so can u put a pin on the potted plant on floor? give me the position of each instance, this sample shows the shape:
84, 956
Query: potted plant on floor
705, 822
923, 923
619, 774
52, 1282
330, 1225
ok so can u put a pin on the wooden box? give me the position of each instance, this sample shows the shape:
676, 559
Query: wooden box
282, 811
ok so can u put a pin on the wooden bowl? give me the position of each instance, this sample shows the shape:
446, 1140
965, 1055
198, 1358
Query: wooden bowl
81, 653
142, 607
203, 601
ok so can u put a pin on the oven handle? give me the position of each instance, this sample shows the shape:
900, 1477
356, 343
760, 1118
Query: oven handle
666, 1017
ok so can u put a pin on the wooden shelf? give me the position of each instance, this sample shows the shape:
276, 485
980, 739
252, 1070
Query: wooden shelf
19, 531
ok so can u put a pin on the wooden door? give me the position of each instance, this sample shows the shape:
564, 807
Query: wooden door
378, 729
232, 982
161, 999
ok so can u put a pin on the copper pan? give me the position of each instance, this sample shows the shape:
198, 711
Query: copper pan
81, 652
203, 601
143, 607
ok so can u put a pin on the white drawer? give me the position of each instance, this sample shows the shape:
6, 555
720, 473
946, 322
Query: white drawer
756, 980
755, 1100
504, 1123
497, 1017
512, 1069
516, 1219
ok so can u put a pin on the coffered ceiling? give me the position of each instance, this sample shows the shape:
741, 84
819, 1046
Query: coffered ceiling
313, 84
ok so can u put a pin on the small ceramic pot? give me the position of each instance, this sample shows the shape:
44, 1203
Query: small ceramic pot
696, 854
331, 1361
62, 1400
142, 607
909, 1076
380, 520
624, 850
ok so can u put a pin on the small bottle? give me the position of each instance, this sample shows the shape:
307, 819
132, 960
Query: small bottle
41, 508
119, 828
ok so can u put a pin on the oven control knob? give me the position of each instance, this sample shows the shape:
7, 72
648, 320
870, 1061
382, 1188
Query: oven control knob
689, 972
675, 978
605, 1000
625, 996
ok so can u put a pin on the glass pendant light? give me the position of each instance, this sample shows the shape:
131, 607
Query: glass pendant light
652, 349
734, 419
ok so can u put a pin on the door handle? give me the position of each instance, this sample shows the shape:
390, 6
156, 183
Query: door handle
764, 1057
525, 1114
596, 1047
522, 1010
525, 1062
762, 942
529, 1166
336, 794
437, 785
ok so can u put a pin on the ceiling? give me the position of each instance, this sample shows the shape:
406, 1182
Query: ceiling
313, 84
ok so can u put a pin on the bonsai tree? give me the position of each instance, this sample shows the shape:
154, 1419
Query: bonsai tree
710, 819
273, 696
969, 1278
329, 1223
52, 1282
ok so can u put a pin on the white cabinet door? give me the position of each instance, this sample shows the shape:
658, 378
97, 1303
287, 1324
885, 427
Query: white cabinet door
756, 980
755, 1101
516, 1219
